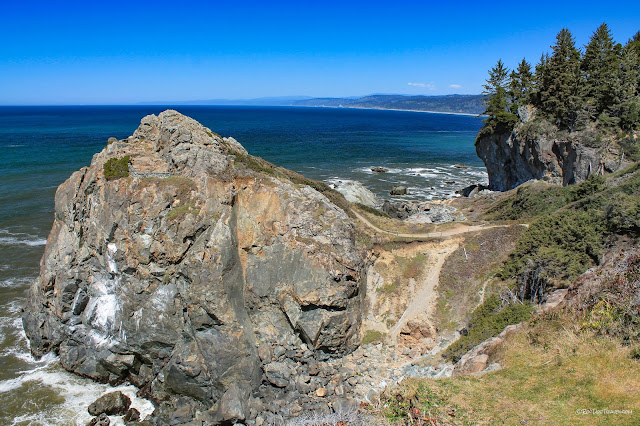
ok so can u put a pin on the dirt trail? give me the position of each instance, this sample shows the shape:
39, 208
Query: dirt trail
459, 229
424, 299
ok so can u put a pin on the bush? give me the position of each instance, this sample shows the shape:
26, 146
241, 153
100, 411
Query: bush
487, 320
116, 168
556, 249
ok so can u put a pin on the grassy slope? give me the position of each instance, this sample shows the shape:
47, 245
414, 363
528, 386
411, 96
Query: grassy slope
552, 368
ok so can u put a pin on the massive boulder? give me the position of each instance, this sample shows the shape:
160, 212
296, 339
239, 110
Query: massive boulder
532, 151
181, 276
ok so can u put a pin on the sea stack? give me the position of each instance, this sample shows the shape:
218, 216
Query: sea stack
204, 275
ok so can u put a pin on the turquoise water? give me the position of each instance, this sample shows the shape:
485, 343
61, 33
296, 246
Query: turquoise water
42, 146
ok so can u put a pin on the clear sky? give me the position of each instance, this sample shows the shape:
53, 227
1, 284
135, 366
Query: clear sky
113, 52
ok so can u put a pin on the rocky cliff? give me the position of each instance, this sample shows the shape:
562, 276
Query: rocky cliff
532, 151
204, 275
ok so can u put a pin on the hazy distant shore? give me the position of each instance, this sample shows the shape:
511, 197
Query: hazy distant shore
390, 109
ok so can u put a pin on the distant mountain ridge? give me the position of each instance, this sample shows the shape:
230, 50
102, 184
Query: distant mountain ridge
461, 104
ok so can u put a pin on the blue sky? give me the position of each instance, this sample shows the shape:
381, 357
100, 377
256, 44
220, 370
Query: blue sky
89, 52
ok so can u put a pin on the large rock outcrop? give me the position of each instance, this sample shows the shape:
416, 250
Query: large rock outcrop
519, 156
200, 277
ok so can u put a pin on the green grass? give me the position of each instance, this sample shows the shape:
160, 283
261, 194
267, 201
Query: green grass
551, 369
115, 168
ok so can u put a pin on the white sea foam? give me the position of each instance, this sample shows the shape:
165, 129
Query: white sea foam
16, 282
8, 238
77, 392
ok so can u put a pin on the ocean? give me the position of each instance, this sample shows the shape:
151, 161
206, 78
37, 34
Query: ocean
42, 146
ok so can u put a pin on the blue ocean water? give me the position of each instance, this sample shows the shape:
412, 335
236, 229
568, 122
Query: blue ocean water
42, 146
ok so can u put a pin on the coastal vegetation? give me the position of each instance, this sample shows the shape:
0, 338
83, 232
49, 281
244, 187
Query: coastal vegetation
595, 90
115, 168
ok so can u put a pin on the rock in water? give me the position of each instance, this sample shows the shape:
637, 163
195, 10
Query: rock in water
111, 404
355, 192
399, 190
175, 276
101, 420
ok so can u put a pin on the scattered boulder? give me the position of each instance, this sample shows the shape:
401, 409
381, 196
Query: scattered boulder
101, 420
379, 169
472, 190
399, 190
132, 415
355, 192
278, 374
422, 212
111, 404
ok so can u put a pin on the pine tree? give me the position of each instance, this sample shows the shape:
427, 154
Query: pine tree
540, 80
629, 88
561, 86
521, 86
496, 101
600, 65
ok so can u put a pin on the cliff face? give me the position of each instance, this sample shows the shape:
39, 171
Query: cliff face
514, 158
186, 276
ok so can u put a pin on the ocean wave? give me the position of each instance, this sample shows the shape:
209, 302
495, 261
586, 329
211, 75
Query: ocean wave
16, 282
9, 238
76, 391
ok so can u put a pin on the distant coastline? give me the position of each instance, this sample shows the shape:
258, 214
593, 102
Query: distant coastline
470, 105
391, 109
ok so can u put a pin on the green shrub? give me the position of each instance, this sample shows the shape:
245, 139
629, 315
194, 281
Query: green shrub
558, 247
536, 200
372, 336
487, 320
116, 168
630, 147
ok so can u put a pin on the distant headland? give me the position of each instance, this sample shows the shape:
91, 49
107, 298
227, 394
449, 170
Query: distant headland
452, 104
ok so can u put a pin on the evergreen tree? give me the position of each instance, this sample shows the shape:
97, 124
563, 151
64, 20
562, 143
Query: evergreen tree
521, 86
629, 88
600, 65
496, 101
561, 86
540, 79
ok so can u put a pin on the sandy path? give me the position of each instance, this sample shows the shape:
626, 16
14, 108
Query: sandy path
459, 229
423, 302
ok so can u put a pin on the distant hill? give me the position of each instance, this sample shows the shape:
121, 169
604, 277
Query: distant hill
469, 104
